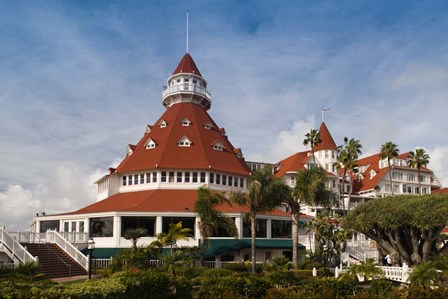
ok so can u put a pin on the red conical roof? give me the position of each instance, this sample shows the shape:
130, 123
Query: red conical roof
187, 65
327, 142
167, 154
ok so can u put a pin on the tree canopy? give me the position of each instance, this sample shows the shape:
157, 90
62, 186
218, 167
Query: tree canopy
407, 226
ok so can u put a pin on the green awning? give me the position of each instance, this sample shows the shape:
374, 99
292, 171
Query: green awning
221, 246
102, 253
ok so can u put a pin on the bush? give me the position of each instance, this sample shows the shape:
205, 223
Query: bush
250, 286
380, 287
312, 264
243, 267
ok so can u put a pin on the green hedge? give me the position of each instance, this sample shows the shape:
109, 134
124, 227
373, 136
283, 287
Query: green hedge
234, 286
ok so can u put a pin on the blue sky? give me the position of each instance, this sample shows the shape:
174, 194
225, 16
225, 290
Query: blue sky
80, 80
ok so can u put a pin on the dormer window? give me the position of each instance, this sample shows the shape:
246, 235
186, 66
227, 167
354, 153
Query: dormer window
208, 126
184, 141
185, 122
223, 132
162, 124
130, 149
218, 146
148, 128
372, 173
150, 144
239, 153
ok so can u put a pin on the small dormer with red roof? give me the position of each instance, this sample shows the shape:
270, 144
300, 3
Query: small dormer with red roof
186, 84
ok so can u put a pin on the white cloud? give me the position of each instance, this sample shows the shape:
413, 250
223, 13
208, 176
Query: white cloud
439, 163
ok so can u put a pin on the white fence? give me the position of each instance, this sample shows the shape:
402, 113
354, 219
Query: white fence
14, 249
101, 263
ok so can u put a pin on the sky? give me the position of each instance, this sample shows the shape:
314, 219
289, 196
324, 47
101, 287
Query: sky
80, 80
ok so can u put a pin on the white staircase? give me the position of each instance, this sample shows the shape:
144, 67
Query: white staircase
16, 252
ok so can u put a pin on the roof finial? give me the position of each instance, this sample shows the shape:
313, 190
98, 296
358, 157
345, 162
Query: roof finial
323, 112
187, 29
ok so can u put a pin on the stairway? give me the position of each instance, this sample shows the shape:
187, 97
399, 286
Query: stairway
53, 261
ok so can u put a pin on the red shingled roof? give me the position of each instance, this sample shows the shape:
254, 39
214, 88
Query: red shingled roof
158, 201
440, 191
292, 163
327, 142
372, 162
187, 65
169, 155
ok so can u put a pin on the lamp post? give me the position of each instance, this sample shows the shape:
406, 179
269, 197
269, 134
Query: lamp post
91, 248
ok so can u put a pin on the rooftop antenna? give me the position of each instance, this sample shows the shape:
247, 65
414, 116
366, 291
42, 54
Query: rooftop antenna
187, 29
324, 109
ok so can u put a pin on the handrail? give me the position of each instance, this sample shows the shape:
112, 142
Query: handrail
54, 237
15, 248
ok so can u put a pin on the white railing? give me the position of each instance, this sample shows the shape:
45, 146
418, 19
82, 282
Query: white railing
53, 236
400, 274
74, 237
28, 237
101, 263
361, 243
186, 87
220, 265
363, 255
14, 249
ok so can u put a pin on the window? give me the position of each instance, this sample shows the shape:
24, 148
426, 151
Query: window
417, 190
186, 80
405, 188
208, 126
81, 226
142, 178
260, 228
139, 222
124, 180
187, 222
242, 182
195, 177
66, 226
154, 177
411, 177
422, 179
332, 154
150, 144
73, 226
235, 182
187, 177
220, 232
202, 177
396, 188
130, 180
327, 166
281, 229
101, 227
218, 146
334, 183
171, 177
327, 154
184, 141
185, 122
218, 179
424, 190
230, 180
212, 178
135, 179
163, 177
397, 176
179, 177
49, 224
178, 80
224, 179
148, 178
162, 124
409, 189
387, 187
195, 81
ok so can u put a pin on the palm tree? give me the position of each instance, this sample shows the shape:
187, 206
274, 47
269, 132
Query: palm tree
205, 207
310, 189
312, 138
418, 159
347, 158
134, 234
265, 192
389, 151
175, 233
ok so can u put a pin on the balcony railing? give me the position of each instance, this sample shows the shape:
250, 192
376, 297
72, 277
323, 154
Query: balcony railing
191, 88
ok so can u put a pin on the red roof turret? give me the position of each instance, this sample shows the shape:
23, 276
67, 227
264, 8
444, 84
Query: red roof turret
327, 142
187, 65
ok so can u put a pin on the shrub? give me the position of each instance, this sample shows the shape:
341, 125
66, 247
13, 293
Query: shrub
380, 287
243, 267
312, 264
250, 286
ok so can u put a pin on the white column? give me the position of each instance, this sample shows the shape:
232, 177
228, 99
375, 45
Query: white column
117, 230
268, 229
239, 226
197, 232
159, 224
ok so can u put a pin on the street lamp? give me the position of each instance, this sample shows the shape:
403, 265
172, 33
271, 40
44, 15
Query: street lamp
91, 248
